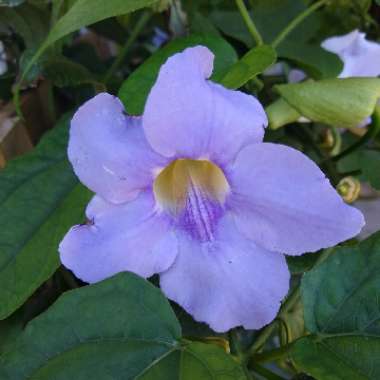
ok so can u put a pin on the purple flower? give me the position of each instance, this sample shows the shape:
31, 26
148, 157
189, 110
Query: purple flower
360, 56
190, 191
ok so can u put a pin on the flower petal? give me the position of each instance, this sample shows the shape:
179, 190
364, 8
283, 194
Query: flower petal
229, 282
128, 237
108, 150
360, 56
188, 116
284, 203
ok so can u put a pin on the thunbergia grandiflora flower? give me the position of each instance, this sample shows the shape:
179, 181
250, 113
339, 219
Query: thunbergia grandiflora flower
190, 191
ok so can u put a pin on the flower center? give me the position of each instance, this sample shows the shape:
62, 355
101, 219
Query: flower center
193, 192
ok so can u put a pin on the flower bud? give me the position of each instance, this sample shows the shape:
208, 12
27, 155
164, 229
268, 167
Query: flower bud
349, 189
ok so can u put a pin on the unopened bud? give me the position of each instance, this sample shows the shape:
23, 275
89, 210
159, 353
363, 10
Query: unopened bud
349, 189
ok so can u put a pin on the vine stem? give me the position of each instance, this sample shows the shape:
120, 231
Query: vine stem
269, 356
296, 21
249, 22
123, 52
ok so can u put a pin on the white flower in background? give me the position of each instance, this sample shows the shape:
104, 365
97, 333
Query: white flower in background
3, 57
361, 58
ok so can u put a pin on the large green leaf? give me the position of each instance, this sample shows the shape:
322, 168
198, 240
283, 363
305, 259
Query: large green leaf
339, 102
135, 89
114, 328
122, 328
251, 64
40, 199
342, 311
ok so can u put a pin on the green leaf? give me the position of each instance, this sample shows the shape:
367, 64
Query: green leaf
40, 199
337, 359
317, 62
87, 12
36, 69
365, 160
231, 24
113, 328
121, 328
83, 13
135, 89
196, 361
339, 102
251, 64
28, 21
342, 311
200, 24
63, 72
